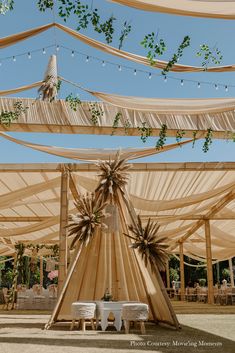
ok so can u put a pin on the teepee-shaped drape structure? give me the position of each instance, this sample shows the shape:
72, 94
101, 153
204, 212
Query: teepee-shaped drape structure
49, 87
108, 261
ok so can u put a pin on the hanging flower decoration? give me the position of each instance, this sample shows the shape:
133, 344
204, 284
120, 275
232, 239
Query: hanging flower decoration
53, 274
147, 242
89, 217
113, 177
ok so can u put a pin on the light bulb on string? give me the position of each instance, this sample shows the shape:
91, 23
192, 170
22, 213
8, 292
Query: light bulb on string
216, 87
182, 82
119, 68
29, 55
135, 72
103, 63
199, 85
57, 48
44, 51
72, 54
14, 58
165, 79
226, 88
150, 75
87, 59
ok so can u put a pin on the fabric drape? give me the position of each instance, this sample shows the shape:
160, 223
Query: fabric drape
92, 154
159, 64
203, 8
20, 89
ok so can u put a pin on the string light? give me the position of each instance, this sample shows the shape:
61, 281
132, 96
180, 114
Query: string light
150, 75
165, 79
199, 85
44, 51
216, 87
182, 82
119, 68
226, 88
29, 55
72, 54
135, 72
14, 58
57, 48
103, 63
87, 59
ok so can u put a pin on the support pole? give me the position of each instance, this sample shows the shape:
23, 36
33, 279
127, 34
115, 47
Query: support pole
230, 261
168, 283
182, 280
63, 246
209, 263
217, 273
41, 271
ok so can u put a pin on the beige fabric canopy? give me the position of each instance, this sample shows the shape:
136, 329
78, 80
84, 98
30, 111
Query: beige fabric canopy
58, 117
179, 195
197, 8
93, 154
160, 64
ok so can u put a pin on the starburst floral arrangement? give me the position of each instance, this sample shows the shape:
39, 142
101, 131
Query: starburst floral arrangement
147, 242
90, 216
113, 178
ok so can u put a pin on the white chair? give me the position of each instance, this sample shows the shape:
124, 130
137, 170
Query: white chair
135, 312
81, 312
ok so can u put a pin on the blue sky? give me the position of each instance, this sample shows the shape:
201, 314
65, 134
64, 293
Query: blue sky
93, 75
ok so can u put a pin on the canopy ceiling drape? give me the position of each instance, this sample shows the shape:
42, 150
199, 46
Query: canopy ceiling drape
159, 64
224, 9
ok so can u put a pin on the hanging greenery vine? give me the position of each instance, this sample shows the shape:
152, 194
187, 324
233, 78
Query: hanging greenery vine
7, 117
74, 101
194, 138
96, 112
145, 131
116, 121
124, 33
155, 48
209, 55
208, 140
179, 135
162, 137
179, 53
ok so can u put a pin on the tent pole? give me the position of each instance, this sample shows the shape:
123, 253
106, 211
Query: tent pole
41, 271
217, 272
168, 282
209, 262
182, 280
63, 246
230, 261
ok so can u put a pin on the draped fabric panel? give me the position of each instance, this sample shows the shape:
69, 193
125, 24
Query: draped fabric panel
58, 117
20, 89
91, 154
196, 8
159, 64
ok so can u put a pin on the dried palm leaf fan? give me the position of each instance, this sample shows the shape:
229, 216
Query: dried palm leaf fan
113, 178
48, 89
151, 248
90, 216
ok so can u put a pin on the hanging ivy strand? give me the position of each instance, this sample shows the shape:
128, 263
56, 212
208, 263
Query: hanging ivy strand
18, 267
208, 140
89, 217
179, 53
124, 33
74, 101
116, 121
145, 131
209, 55
7, 117
179, 135
151, 247
155, 48
96, 113
5, 6
162, 137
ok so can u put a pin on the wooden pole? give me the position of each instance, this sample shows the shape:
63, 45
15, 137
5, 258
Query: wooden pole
217, 273
209, 263
41, 271
168, 283
63, 246
230, 261
182, 280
